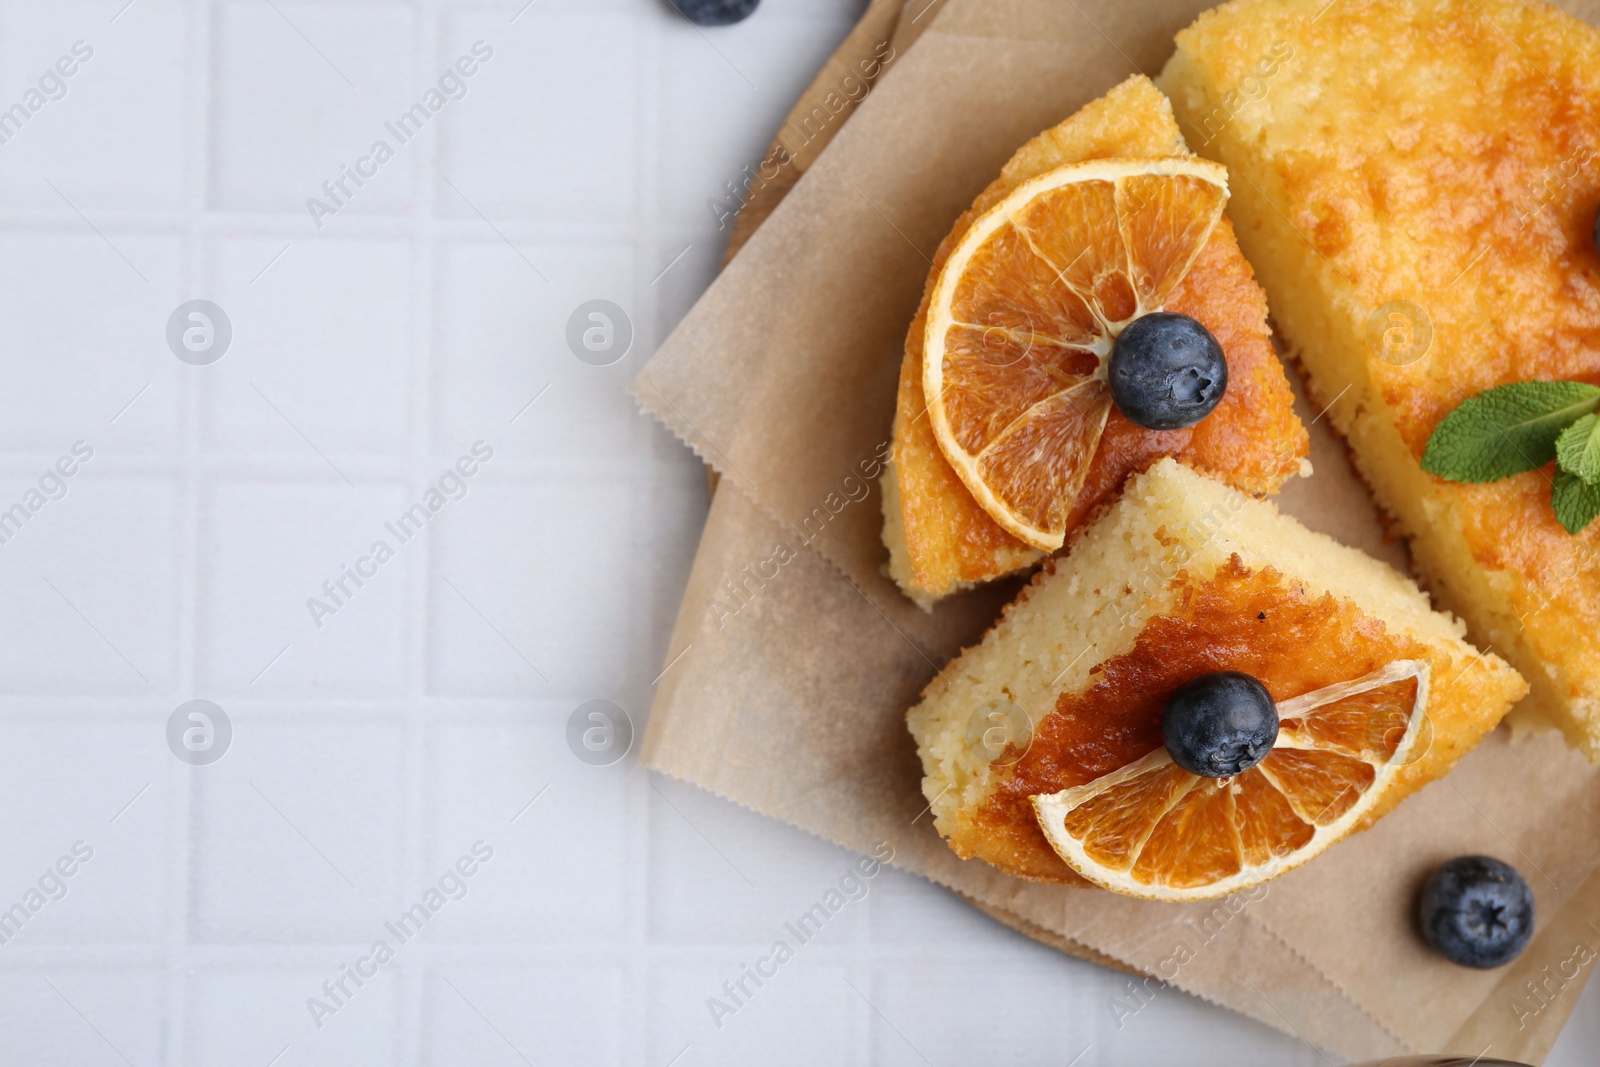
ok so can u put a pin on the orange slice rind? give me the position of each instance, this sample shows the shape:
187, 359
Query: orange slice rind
1023, 315
1151, 829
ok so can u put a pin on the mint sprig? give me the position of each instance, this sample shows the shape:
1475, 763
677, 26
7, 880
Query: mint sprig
1506, 430
1575, 501
1578, 449
1521, 427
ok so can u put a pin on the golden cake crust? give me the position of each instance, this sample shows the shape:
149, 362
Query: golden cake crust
1446, 155
940, 539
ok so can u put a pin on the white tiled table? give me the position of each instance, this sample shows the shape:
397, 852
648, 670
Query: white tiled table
424, 715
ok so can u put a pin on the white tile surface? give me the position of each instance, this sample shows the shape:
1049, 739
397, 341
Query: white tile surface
105, 1014
301, 90
488, 1016
244, 1016
341, 364
490, 301
516, 556
71, 298
484, 776
309, 816
92, 584
118, 886
430, 711
115, 125
806, 1014
565, 82
268, 546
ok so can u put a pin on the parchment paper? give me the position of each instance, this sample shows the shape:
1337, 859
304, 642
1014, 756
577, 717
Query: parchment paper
786, 693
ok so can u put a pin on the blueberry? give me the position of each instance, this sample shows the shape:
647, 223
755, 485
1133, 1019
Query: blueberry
1219, 725
1477, 912
715, 12
1166, 371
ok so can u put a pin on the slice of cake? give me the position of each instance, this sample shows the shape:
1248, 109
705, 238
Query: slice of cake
1415, 184
1055, 720
940, 538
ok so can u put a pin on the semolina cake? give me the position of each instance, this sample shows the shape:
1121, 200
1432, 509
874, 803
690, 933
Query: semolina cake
940, 539
1416, 184
1180, 576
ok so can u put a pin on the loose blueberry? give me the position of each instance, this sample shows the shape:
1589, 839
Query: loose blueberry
1219, 725
1477, 912
715, 12
1166, 371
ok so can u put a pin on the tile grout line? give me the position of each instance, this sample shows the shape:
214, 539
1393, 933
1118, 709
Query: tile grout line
393, 225
417, 780
640, 973
197, 268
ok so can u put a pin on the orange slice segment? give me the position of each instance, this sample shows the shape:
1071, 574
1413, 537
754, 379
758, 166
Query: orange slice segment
1022, 317
1151, 829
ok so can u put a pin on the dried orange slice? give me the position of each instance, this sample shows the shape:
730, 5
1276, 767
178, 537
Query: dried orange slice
1151, 829
1022, 317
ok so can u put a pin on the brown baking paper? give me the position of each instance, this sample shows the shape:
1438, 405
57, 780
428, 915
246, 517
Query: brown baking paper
790, 670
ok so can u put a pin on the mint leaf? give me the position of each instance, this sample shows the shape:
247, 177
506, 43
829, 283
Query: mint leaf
1576, 502
1506, 430
1578, 449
